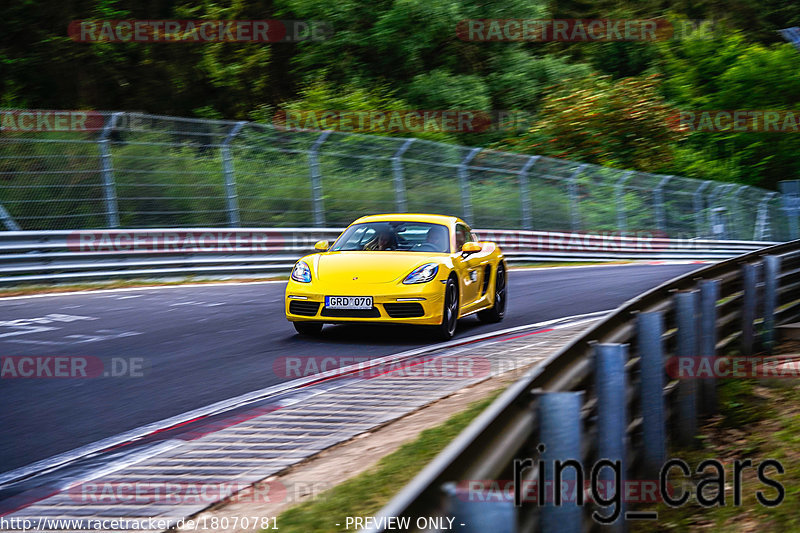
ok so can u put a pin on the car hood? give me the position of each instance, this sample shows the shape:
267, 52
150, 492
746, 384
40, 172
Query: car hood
367, 267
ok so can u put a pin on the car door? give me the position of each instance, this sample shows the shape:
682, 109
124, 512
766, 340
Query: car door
468, 268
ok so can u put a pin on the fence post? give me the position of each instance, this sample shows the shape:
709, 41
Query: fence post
619, 198
721, 187
230, 177
709, 294
316, 180
498, 516
650, 328
772, 270
10, 223
560, 432
524, 198
697, 198
572, 187
463, 178
107, 171
736, 206
658, 203
749, 276
686, 314
612, 418
399, 181
762, 229
790, 197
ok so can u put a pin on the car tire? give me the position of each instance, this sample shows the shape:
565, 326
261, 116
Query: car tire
498, 310
311, 329
447, 328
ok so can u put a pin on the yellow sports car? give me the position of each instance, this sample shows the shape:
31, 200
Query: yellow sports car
401, 268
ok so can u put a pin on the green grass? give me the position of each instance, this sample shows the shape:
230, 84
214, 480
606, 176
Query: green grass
365, 494
758, 421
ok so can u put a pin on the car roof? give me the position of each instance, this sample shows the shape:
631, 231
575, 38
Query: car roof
410, 217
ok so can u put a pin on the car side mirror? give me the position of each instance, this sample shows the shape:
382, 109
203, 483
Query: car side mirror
471, 248
321, 246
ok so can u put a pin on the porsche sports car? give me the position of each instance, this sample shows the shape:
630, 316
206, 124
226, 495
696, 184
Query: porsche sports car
399, 268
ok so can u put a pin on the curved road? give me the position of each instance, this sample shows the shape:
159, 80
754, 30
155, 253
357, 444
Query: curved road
197, 345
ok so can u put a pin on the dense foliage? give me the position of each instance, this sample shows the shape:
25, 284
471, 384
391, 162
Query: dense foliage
606, 103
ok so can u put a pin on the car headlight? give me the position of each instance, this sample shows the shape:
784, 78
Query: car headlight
422, 274
301, 272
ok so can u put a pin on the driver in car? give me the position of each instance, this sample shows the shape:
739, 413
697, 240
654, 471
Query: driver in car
381, 241
437, 236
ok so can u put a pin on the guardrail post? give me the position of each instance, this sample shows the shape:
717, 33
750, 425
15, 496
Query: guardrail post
524, 198
10, 223
772, 271
479, 516
650, 328
612, 417
463, 178
619, 200
399, 179
560, 432
107, 171
316, 180
572, 187
750, 280
686, 314
709, 294
230, 178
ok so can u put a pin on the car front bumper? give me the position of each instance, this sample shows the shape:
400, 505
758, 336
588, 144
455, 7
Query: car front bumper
409, 304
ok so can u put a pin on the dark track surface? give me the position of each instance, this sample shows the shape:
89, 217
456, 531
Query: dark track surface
204, 344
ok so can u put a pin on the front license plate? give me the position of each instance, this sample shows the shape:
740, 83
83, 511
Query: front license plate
348, 302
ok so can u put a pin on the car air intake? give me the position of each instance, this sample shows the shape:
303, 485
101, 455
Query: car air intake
303, 308
351, 313
404, 310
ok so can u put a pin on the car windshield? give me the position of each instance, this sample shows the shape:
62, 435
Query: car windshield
394, 236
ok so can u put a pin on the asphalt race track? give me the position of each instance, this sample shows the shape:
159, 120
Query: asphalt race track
197, 345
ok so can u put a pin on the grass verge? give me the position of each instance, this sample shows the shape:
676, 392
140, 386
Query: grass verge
365, 494
758, 420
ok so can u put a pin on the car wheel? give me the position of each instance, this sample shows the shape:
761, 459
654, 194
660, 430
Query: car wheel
498, 310
308, 328
447, 328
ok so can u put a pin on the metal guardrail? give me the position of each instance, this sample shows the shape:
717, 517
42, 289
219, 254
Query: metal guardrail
606, 395
63, 256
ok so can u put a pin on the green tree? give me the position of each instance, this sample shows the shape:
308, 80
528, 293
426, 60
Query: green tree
596, 120
734, 74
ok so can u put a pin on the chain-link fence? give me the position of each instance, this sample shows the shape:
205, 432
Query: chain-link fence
137, 171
